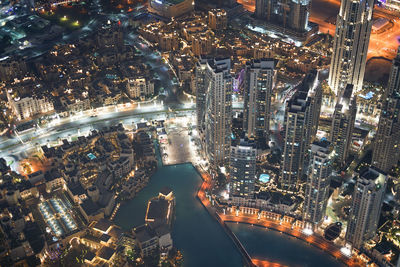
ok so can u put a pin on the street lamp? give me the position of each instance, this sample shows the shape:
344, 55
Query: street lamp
346, 251
307, 231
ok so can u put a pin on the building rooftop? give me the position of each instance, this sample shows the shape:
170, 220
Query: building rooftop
370, 175
89, 255
105, 237
165, 190
103, 225
157, 210
89, 207
115, 232
76, 189
373, 176
105, 253
162, 230
144, 233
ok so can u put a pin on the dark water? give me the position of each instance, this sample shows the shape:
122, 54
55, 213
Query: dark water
280, 248
202, 240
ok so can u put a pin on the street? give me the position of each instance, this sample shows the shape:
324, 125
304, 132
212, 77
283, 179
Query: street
324, 12
18, 147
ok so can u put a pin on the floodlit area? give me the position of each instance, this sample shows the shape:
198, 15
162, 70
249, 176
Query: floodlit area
382, 44
177, 145
323, 12
57, 216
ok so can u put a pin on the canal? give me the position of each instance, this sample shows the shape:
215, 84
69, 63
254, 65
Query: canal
195, 233
199, 236
274, 246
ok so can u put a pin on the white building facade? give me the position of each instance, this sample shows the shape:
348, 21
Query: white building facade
350, 46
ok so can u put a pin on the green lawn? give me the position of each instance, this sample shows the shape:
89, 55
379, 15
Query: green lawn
70, 17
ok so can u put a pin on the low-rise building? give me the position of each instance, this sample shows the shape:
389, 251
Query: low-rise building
74, 105
146, 238
139, 87
160, 209
25, 107
217, 19
171, 8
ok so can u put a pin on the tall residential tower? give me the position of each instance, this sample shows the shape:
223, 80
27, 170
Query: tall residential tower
318, 181
386, 152
343, 121
350, 46
201, 87
366, 206
243, 169
300, 125
218, 112
259, 79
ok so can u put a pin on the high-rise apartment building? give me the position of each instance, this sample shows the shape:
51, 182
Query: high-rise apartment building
218, 112
201, 87
298, 15
291, 14
366, 206
259, 80
318, 181
350, 46
312, 84
344, 118
243, 169
300, 125
386, 151
394, 77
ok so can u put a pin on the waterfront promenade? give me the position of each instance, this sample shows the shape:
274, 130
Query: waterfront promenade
253, 219
206, 203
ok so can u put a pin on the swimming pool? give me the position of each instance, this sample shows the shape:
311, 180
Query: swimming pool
264, 178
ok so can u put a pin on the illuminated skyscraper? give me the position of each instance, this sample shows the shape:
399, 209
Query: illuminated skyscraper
243, 169
318, 181
387, 140
350, 46
201, 87
218, 112
386, 152
343, 121
298, 15
366, 206
300, 125
394, 77
259, 80
312, 82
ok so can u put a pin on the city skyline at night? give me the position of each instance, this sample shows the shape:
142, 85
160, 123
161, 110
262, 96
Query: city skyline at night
199, 133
